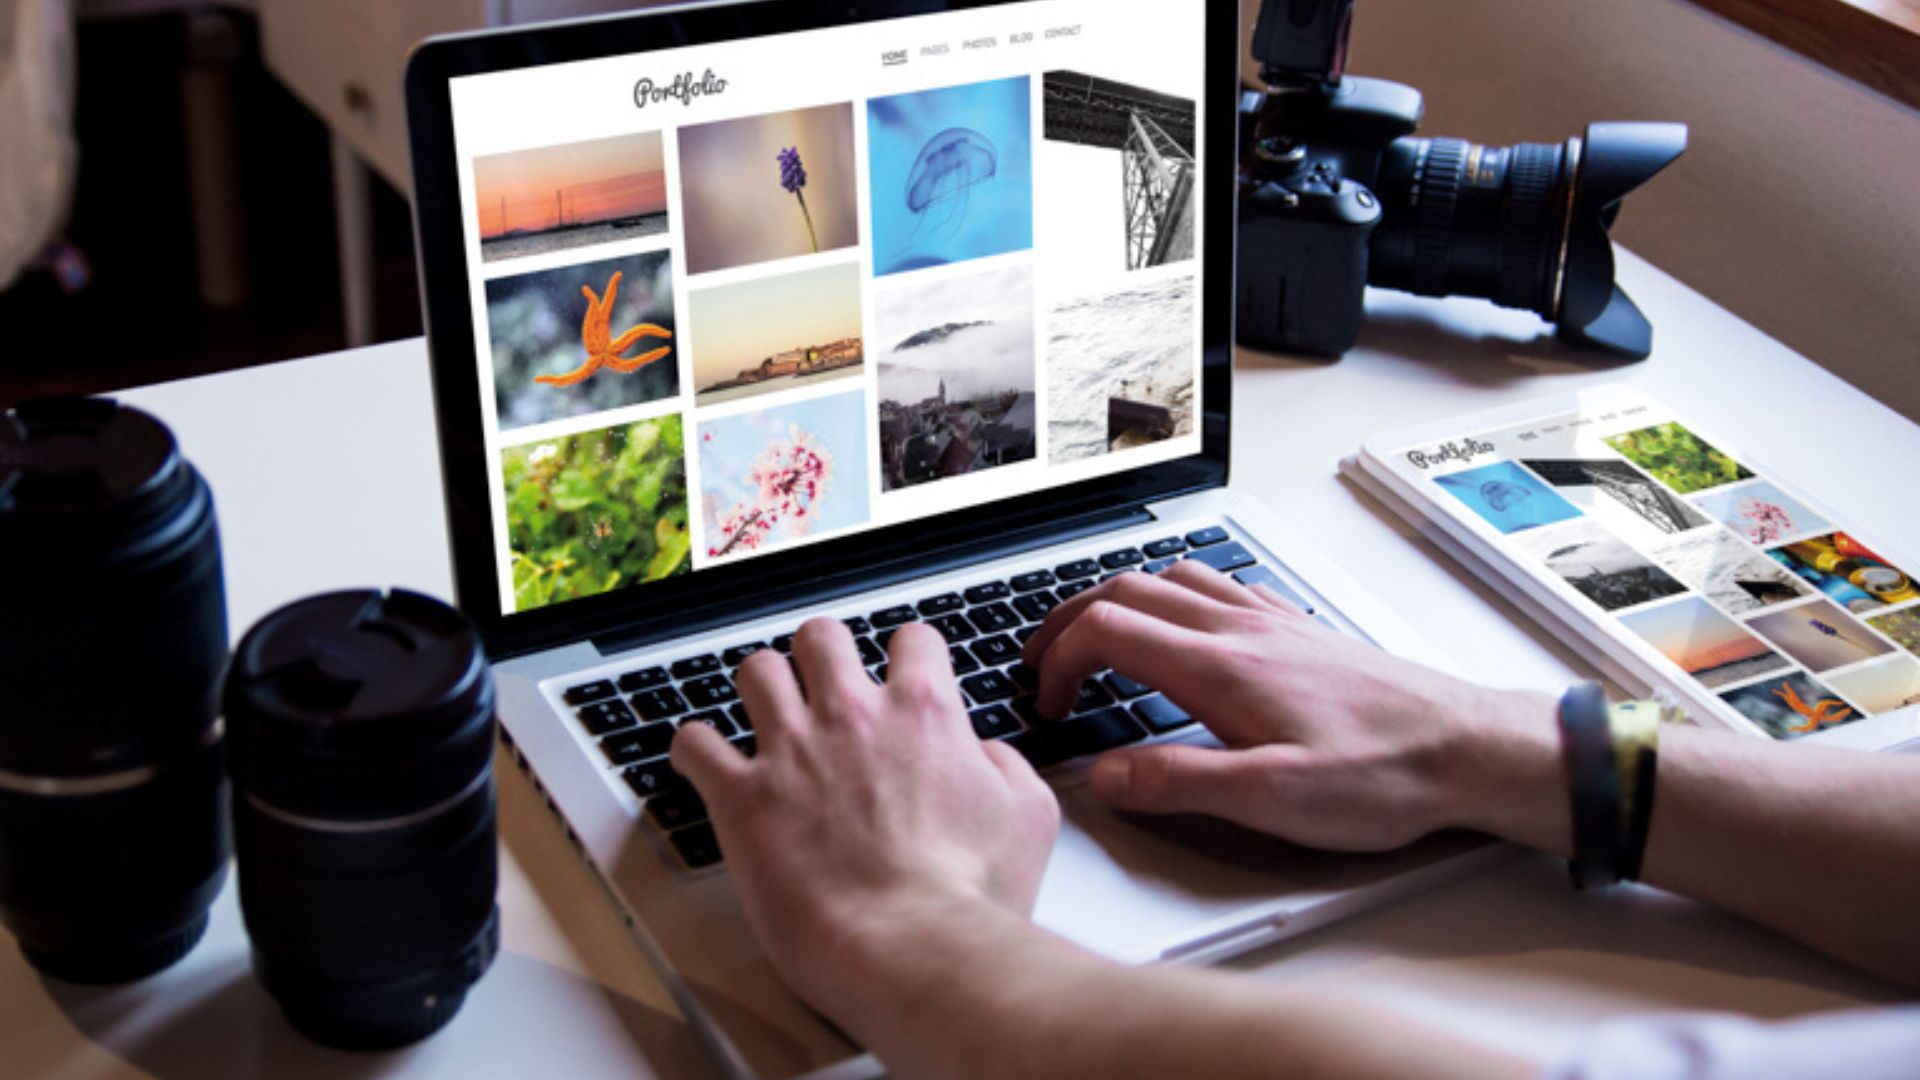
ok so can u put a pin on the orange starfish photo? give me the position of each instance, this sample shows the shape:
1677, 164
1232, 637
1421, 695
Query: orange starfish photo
1825, 712
603, 349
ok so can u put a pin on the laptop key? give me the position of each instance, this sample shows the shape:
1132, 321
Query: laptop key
940, 605
988, 687
1025, 634
879, 674
696, 845
858, 625
993, 721
588, 692
1038, 579
1035, 605
955, 628
1208, 536
1122, 559
894, 616
1225, 558
1160, 549
1078, 568
737, 655
988, 593
1160, 715
695, 666
993, 618
707, 692
1045, 745
1158, 565
653, 778
783, 644
1092, 696
658, 704
714, 719
1124, 688
639, 744
737, 712
645, 679
1024, 677
676, 807
996, 650
748, 744
1262, 575
606, 717
870, 654
1074, 588
963, 661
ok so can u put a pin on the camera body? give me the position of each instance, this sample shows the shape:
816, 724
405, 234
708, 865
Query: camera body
1308, 211
1337, 192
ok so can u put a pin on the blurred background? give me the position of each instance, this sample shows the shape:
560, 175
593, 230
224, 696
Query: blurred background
188, 186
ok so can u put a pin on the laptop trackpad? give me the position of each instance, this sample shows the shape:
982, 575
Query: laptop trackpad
1141, 888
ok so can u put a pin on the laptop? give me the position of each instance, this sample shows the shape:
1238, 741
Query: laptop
878, 310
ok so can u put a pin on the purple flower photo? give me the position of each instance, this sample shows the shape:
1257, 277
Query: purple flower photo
793, 177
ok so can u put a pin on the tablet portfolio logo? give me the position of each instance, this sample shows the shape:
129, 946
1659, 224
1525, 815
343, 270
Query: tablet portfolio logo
1460, 450
685, 88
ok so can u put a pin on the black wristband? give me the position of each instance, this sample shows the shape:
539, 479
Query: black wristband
1593, 785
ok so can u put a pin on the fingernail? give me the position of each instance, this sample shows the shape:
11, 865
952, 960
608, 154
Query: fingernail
1113, 777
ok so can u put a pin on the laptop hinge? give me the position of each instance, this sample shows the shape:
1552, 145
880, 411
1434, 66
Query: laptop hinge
865, 579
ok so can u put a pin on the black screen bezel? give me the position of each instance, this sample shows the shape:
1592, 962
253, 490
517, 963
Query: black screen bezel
440, 241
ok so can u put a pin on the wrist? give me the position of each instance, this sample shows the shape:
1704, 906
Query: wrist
891, 949
1511, 777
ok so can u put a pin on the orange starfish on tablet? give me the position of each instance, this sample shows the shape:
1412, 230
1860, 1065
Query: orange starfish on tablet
1825, 711
603, 349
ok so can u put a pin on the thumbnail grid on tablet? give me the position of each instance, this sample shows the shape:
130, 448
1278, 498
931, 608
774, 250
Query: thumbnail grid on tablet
1793, 622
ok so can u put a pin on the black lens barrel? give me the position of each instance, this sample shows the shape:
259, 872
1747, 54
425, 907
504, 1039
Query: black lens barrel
1466, 219
361, 750
113, 828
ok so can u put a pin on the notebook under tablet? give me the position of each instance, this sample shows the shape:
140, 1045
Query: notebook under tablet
884, 310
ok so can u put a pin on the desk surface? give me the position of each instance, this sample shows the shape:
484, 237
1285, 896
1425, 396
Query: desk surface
326, 474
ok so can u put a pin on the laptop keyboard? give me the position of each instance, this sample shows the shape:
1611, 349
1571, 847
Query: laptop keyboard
632, 716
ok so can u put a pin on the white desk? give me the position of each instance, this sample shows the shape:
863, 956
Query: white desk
326, 476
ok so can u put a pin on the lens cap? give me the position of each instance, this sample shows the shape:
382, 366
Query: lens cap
82, 475
358, 706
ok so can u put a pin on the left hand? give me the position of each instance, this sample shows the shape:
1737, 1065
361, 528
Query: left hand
867, 808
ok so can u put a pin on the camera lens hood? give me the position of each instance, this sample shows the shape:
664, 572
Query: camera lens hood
1615, 158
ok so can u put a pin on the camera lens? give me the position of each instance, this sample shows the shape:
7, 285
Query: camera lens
361, 750
1472, 220
113, 840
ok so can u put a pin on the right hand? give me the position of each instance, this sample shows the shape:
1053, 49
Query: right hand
1331, 742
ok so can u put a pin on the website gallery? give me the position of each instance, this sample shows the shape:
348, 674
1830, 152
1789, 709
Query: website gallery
737, 298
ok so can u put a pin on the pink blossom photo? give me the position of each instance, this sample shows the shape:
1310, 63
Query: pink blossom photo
783, 474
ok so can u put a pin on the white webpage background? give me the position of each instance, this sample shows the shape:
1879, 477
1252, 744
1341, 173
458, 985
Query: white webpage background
1154, 44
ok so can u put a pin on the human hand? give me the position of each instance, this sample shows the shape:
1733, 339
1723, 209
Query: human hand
867, 808
1331, 742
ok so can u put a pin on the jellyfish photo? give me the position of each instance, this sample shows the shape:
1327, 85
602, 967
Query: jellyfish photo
952, 174
947, 169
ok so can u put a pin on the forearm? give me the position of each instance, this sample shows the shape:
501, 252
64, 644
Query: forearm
1818, 843
984, 993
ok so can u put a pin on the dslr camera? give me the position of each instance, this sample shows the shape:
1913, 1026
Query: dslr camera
1337, 193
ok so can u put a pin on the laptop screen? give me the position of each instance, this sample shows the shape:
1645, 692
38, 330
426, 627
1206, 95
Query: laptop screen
731, 300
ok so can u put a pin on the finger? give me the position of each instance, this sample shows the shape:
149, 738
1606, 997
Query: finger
771, 693
1173, 779
919, 665
714, 767
1131, 642
1142, 592
1207, 581
829, 665
1277, 602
